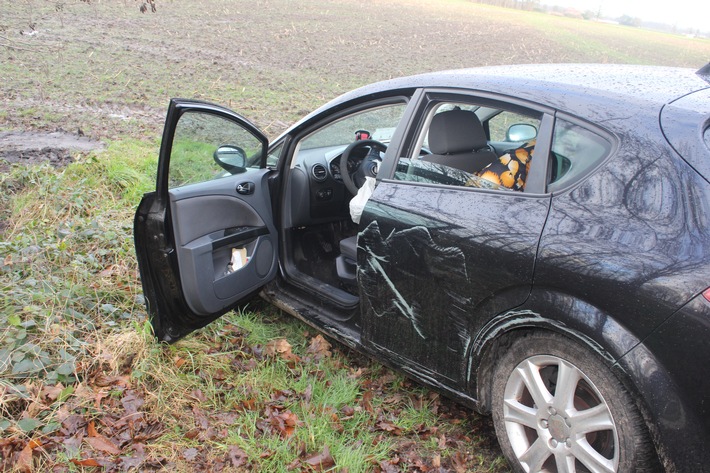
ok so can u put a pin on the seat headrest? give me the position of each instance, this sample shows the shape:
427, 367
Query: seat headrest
456, 131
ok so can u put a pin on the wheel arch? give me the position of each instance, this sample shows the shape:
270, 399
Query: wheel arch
550, 310
571, 318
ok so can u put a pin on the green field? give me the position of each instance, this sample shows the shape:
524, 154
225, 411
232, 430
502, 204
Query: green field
82, 382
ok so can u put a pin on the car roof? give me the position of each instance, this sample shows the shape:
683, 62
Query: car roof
539, 81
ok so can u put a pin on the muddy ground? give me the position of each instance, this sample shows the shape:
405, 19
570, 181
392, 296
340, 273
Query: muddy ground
32, 147
109, 70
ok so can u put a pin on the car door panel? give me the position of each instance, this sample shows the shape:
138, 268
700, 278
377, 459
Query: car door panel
204, 212
209, 223
438, 261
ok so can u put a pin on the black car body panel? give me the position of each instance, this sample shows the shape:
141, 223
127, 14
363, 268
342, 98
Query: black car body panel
667, 365
685, 124
615, 256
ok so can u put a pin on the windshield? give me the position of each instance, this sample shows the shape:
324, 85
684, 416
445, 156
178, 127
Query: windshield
379, 123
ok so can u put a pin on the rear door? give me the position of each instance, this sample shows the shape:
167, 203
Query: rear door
205, 238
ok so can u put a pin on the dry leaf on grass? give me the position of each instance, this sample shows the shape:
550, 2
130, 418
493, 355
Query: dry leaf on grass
321, 461
86, 462
102, 444
99, 442
319, 347
24, 461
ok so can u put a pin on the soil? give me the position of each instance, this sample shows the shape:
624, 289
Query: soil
56, 148
110, 70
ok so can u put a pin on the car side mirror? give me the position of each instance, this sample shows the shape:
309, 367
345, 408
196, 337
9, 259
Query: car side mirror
521, 132
232, 158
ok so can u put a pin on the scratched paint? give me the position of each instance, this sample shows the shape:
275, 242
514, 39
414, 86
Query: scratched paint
394, 261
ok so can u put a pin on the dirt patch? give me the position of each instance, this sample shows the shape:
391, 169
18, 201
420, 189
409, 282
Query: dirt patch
31, 147
56, 148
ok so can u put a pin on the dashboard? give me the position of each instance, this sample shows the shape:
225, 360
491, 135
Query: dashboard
317, 192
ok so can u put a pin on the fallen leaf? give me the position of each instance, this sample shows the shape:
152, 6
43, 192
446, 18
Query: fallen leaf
52, 392
277, 346
354, 374
285, 422
459, 461
389, 466
103, 444
189, 454
442, 442
394, 399
319, 347
366, 403
321, 461
282, 348
91, 429
389, 427
107, 272
131, 402
308, 394
24, 461
219, 374
34, 409
246, 405
200, 418
86, 462
149, 432
237, 456
102, 380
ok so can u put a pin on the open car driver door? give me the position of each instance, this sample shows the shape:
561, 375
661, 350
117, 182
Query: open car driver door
205, 238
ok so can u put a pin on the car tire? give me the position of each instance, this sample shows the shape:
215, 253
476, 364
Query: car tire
592, 424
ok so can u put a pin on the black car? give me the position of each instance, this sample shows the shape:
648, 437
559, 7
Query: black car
536, 245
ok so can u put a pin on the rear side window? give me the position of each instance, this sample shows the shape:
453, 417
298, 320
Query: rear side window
707, 137
576, 150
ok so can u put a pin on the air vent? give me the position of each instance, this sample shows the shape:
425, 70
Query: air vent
319, 172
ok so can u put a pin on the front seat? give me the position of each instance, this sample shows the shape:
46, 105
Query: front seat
457, 139
346, 263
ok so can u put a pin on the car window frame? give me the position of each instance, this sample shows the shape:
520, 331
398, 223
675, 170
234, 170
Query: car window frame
428, 98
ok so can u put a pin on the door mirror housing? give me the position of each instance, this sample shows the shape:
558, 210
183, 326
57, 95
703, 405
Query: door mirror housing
231, 158
521, 132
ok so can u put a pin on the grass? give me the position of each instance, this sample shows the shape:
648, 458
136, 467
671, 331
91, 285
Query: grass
77, 358
73, 322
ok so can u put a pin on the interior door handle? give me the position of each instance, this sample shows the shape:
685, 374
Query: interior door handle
246, 188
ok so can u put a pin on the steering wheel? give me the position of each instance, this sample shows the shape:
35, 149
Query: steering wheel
366, 168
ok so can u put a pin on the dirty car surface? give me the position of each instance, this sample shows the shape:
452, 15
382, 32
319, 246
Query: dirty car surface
536, 246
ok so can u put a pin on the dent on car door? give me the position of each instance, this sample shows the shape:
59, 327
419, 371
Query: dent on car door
205, 239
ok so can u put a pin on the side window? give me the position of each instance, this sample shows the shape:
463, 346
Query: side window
208, 146
453, 148
576, 150
707, 137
